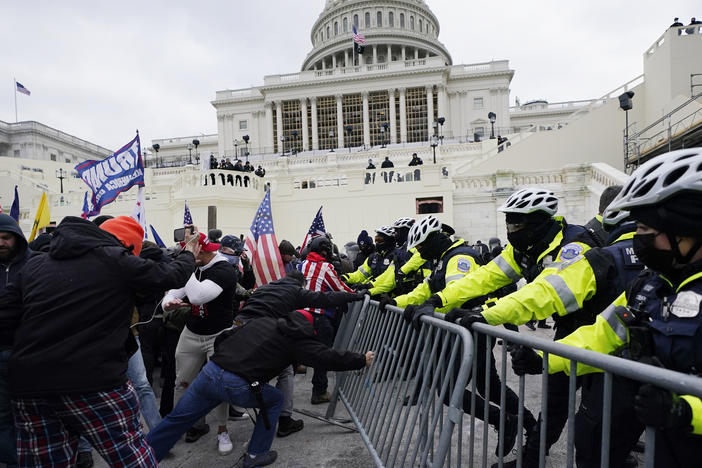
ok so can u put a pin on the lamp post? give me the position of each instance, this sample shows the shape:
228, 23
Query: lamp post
236, 148
282, 141
156, 147
434, 144
246, 141
196, 142
190, 152
626, 105
60, 175
349, 130
441, 121
492, 117
331, 140
384, 132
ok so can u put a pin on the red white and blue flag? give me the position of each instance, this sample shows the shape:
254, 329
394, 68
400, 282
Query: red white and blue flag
187, 218
316, 229
357, 37
15, 209
139, 211
21, 89
86, 208
263, 246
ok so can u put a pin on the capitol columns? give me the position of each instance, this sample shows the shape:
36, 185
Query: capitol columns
305, 133
403, 117
220, 140
441, 91
269, 127
315, 133
279, 123
393, 117
340, 120
430, 111
366, 120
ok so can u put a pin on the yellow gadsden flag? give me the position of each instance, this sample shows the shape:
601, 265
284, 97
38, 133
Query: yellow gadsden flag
43, 217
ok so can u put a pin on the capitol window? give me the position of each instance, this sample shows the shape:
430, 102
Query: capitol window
477, 103
336, 28
412, 23
355, 20
346, 25
367, 16
420, 26
391, 19
243, 124
379, 19
327, 32
402, 20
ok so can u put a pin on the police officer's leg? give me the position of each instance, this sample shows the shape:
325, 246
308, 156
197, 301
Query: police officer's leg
325, 333
625, 429
677, 449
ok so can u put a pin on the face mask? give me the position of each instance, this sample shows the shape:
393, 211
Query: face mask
661, 261
521, 240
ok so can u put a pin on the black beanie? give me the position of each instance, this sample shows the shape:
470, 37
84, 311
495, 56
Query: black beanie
679, 215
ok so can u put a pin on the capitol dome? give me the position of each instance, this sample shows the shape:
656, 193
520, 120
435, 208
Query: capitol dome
395, 30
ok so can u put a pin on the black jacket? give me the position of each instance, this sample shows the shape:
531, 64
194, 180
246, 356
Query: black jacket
262, 348
72, 308
12, 268
279, 298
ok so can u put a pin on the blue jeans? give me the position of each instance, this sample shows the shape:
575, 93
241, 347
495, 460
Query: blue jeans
8, 447
136, 372
212, 386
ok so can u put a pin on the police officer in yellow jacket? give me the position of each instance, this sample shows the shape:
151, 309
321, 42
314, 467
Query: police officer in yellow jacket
453, 261
659, 318
378, 261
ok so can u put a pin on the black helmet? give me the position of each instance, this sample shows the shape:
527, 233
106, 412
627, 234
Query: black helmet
322, 245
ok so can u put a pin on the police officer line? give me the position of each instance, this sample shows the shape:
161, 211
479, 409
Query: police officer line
434, 364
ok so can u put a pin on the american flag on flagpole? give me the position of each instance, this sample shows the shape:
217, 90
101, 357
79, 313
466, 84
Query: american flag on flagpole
263, 246
187, 218
357, 37
316, 229
21, 89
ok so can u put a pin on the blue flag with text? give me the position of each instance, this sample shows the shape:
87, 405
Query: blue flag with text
111, 176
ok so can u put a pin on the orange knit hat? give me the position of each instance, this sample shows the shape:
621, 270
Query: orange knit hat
127, 230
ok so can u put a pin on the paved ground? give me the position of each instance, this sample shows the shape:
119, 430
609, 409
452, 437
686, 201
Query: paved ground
323, 445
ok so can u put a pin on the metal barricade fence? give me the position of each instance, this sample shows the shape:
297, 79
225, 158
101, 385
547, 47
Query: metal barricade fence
612, 367
408, 403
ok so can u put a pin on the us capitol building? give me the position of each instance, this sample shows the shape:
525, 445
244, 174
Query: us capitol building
315, 130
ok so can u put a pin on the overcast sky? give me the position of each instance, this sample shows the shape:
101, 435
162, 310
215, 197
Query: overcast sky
100, 70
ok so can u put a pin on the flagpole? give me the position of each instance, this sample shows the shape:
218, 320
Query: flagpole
14, 85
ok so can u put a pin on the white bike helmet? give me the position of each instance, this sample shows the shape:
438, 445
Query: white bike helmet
421, 230
386, 231
530, 200
610, 218
661, 178
403, 223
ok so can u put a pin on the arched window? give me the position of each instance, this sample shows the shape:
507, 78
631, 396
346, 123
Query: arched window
327, 32
412, 23
402, 20
379, 19
391, 19
421, 28
346, 25
367, 20
336, 28
355, 20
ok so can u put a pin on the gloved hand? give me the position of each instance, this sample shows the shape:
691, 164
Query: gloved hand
386, 300
526, 361
474, 315
662, 408
356, 296
455, 314
399, 276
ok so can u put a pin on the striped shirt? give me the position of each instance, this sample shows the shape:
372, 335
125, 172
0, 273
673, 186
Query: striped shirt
321, 276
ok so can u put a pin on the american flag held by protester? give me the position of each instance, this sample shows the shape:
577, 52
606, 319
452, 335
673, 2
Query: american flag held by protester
263, 246
187, 218
316, 229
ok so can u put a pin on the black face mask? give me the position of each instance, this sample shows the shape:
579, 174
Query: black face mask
661, 261
520, 240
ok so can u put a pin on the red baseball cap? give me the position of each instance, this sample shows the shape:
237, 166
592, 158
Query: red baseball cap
205, 243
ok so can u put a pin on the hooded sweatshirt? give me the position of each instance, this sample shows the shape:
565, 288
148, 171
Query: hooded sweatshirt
262, 348
71, 309
11, 268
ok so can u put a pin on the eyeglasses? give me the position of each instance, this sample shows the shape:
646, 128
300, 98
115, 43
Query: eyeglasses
514, 227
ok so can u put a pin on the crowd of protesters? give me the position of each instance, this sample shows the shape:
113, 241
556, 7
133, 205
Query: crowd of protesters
226, 164
93, 309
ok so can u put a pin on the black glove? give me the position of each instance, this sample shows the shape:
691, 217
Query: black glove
662, 408
413, 312
526, 361
474, 315
357, 296
386, 300
455, 314
399, 276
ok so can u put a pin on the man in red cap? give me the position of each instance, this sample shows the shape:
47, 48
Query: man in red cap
210, 293
70, 309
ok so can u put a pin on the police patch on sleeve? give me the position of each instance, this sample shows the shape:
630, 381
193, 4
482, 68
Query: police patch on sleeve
463, 265
570, 251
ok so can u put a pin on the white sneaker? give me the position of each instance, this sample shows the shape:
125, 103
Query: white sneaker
224, 443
